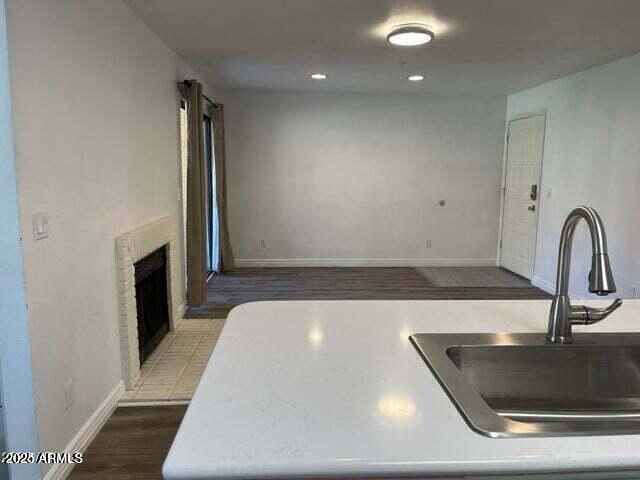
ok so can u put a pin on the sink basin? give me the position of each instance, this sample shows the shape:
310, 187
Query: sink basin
512, 385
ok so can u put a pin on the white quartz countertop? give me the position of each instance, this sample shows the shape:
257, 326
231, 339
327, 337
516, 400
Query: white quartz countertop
335, 389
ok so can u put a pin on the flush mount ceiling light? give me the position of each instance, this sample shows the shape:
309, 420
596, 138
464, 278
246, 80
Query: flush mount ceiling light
410, 35
319, 76
415, 78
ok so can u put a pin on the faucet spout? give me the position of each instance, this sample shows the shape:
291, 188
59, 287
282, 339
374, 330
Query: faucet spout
601, 278
601, 282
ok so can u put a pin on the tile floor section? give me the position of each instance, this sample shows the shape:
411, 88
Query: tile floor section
173, 370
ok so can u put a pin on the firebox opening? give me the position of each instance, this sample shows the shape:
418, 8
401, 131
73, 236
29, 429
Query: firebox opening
151, 301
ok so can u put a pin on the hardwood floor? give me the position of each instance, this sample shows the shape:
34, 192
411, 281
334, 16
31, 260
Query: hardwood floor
132, 445
473, 277
255, 284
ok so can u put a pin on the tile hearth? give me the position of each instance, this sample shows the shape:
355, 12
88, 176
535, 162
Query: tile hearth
173, 370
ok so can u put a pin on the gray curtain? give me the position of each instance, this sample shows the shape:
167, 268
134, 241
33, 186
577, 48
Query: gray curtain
226, 254
196, 195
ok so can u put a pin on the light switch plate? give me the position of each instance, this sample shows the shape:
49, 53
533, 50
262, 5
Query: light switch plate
40, 225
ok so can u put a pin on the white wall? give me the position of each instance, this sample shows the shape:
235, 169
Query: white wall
591, 157
17, 416
96, 134
356, 179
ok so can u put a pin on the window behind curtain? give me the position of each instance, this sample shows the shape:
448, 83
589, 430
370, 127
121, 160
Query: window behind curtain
184, 165
213, 248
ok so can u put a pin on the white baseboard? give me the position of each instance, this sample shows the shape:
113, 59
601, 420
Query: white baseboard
549, 287
87, 433
542, 284
366, 262
152, 403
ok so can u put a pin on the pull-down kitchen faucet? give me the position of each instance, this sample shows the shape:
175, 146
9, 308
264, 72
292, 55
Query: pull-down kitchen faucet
563, 315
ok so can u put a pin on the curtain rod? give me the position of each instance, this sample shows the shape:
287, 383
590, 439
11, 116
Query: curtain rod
186, 82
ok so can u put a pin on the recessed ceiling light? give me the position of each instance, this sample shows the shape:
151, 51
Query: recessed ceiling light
319, 76
415, 78
410, 35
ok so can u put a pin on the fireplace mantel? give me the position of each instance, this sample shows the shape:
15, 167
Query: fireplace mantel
131, 247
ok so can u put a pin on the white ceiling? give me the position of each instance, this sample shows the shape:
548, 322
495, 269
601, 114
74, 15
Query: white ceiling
482, 46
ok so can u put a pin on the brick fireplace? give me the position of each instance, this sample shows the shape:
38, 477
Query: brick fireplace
132, 247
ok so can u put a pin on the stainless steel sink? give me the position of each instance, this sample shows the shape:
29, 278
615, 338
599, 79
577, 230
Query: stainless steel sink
512, 385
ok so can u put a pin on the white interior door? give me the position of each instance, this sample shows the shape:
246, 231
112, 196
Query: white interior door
521, 194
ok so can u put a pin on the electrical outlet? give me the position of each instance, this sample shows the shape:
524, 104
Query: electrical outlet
427, 243
631, 292
262, 243
40, 225
68, 394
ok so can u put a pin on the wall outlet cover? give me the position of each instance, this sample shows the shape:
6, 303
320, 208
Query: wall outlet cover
68, 394
40, 225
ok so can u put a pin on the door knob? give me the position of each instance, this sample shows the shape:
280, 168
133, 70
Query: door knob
532, 208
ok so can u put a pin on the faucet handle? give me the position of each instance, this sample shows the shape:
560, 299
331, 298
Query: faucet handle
581, 315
